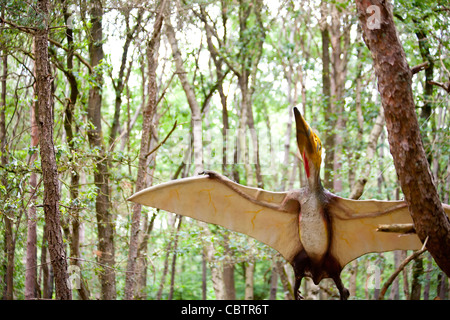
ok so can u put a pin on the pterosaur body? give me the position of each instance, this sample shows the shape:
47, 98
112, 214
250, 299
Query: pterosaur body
317, 232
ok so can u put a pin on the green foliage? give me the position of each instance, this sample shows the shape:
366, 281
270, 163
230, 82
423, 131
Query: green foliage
291, 40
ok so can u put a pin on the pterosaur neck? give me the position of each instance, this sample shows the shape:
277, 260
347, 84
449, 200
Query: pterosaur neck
315, 184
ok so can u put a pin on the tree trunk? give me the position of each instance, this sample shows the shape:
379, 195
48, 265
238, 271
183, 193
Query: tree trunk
44, 119
174, 259
31, 258
204, 275
228, 269
442, 287
142, 263
394, 294
339, 43
147, 125
69, 118
168, 250
9, 242
105, 223
394, 84
426, 289
353, 278
249, 279
273, 281
416, 284
328, 109
47, 278
287, 287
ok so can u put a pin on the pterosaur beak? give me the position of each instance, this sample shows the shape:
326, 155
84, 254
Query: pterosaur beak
308, 143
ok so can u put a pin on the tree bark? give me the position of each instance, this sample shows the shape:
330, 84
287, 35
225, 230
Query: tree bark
416, 284
44, 119
174, 259
47, 278
31, 258
9, 241
74, 242
147, 126
105, 223
228, 269
142, 263
394, 85
249, 279
328, 108
273, 281
287, 287
168, 250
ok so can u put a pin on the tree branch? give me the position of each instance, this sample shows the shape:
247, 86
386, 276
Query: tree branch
400, 268
82, 60
420, 67
404, 228
162, 142
445, 86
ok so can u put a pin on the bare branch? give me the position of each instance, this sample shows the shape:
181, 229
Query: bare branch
420, 67
445, 86
397, 228
400, 268
162, 142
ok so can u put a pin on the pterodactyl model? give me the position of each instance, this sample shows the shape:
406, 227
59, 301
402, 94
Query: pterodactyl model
317, 232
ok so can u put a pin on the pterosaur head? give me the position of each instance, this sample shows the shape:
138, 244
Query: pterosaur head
310, 149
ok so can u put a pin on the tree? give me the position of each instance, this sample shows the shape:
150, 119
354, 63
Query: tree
394, 83
105, 222
44, 119
144, 153
31, 273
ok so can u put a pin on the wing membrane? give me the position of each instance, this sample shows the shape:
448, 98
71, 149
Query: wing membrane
212, 201
355, 223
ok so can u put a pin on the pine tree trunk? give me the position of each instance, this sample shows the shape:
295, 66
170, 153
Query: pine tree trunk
394, 83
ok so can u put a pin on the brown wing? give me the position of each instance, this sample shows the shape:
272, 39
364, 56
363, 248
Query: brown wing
211, 201
355, 223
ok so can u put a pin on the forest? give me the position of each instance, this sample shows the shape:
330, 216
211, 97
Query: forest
100, 99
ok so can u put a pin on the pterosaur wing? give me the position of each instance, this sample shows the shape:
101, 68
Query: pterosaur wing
212, 201
355, 224
355, 228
